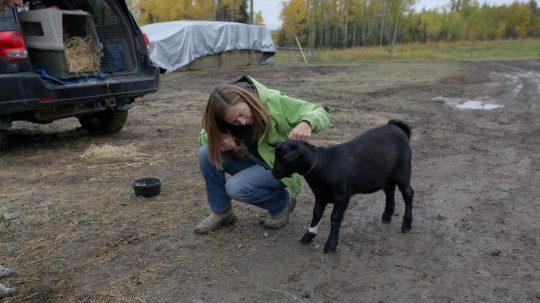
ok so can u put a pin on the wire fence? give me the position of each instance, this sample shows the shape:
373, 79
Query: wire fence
288, 55
434, 51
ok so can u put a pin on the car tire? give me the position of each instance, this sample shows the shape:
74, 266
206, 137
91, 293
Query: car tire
3, 138
105, 122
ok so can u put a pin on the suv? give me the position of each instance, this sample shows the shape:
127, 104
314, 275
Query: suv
29, 93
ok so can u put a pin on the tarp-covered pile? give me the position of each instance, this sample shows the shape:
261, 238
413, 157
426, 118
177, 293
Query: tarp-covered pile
177, 43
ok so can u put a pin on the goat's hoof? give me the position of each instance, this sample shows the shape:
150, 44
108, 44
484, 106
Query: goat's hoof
307, 238
405, 227
386, 218
330, 248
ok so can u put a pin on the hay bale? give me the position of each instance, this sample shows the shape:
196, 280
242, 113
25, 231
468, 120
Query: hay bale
82, 55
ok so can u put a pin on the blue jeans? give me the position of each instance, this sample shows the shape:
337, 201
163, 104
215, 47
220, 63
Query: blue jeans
248, 182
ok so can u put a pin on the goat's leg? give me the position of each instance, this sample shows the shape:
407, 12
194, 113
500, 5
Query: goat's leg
318, 211
389, 191
340, 205
408, 193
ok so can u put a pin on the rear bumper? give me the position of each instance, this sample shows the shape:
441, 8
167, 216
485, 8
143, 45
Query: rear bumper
26, 92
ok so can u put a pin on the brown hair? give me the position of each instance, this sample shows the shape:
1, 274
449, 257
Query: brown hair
213, 119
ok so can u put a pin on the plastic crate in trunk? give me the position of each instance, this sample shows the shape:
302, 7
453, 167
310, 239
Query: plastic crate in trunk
46, 31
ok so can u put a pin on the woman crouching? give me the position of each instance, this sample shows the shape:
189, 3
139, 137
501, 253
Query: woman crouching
240, 122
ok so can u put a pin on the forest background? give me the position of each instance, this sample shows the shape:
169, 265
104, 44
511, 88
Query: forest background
330, 24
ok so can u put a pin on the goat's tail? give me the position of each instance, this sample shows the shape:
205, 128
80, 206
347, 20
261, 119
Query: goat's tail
403, 126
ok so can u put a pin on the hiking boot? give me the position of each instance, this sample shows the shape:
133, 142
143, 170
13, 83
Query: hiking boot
290, 207
6, 272
7, 292
278, 220
292, 203
215, 221
263, 218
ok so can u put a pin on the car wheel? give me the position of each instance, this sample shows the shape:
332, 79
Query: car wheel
3, 138
109, 121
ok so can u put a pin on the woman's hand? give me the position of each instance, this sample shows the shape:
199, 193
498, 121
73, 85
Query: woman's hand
9, 3
227, 142
301, 132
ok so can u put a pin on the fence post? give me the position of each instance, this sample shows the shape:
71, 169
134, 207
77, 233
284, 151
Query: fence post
300, 47
290, 54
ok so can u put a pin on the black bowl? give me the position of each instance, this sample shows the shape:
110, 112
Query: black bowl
146, 187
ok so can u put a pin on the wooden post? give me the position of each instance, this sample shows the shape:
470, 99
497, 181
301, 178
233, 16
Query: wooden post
300, 47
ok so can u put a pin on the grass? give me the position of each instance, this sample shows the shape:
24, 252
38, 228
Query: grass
503, 49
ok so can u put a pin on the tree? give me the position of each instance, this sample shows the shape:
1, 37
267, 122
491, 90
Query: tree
170, 10
232, 10
534, 24
396, 10
259, 20
293, 15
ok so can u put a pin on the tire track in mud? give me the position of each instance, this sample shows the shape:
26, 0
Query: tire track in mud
487, 176
512, 86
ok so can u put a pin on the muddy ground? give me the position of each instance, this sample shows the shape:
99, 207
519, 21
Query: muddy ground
74, 231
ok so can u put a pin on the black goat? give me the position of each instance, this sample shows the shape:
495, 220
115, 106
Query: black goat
380, 158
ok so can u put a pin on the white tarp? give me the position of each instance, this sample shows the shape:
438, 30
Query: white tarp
175, 44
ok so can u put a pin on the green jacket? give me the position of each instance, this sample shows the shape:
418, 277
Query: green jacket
285, 114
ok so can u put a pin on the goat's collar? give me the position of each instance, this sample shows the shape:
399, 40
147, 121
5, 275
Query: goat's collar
312, 166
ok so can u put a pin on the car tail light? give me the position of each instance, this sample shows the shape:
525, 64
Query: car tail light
12, 46
146, 40
47, 99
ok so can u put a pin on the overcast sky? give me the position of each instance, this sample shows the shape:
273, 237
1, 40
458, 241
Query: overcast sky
270, 8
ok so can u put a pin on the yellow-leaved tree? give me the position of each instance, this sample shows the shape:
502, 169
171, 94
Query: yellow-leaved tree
259, 20
293, 16
232, 10
169, 10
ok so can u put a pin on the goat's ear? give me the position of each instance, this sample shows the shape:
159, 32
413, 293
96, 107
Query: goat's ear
291, 155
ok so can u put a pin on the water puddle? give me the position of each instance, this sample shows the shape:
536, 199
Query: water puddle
460, 103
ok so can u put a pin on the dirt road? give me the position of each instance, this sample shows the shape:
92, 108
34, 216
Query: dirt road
74, 231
